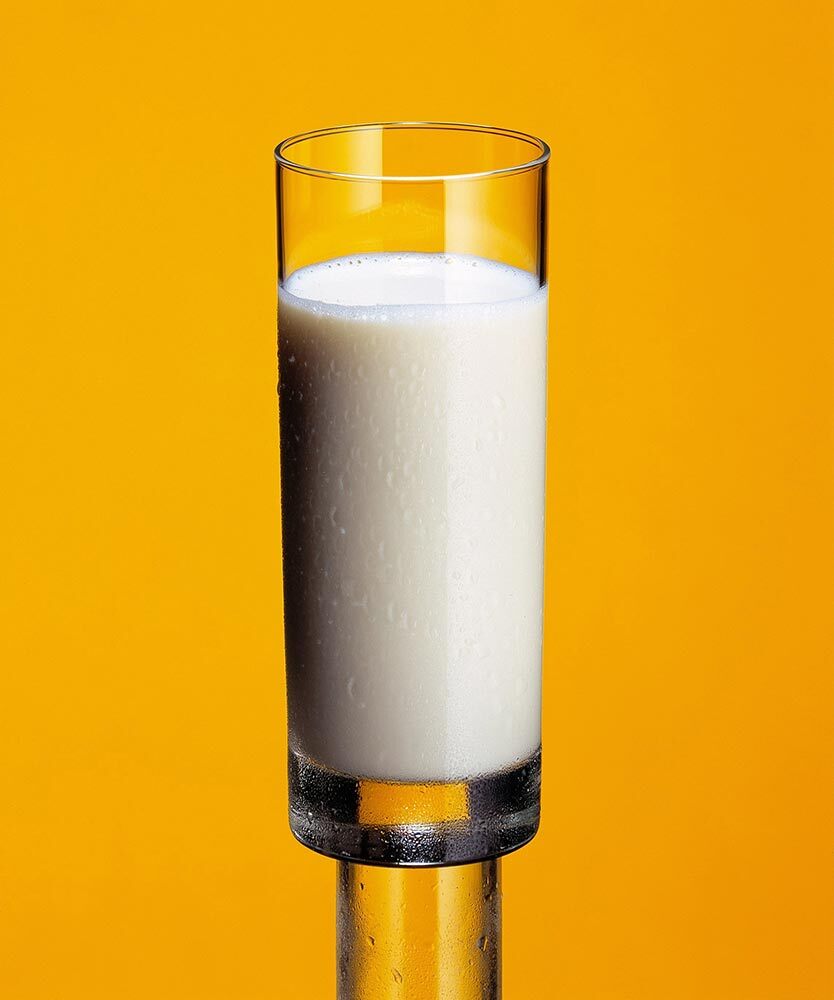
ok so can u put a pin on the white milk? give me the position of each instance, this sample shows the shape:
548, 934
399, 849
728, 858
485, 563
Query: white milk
412, 401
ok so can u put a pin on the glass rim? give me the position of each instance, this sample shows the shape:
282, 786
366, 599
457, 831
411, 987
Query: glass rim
537, 161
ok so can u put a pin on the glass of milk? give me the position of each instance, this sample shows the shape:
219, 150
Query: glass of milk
412, 326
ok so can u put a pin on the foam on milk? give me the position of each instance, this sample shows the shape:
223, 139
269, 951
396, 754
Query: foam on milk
412, 402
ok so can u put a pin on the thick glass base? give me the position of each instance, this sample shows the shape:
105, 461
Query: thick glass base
419, 824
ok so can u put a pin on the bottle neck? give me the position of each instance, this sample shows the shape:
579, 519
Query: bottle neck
419, 933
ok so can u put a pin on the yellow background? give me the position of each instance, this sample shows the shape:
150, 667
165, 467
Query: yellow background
685, 847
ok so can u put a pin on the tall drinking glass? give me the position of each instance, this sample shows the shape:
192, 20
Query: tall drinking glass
412, 376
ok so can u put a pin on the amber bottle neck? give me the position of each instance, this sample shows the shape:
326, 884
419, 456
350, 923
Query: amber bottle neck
419, 934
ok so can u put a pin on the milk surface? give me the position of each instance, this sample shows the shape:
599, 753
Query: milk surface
412, 406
